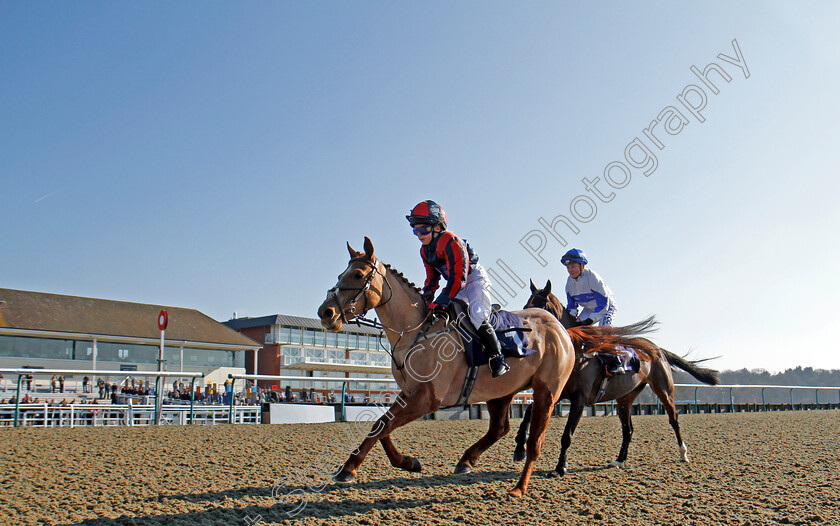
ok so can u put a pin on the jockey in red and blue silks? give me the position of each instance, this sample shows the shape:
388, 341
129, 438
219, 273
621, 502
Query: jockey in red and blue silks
445, 254
586, 289
449, 256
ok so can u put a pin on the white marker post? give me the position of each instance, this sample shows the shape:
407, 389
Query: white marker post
163, 321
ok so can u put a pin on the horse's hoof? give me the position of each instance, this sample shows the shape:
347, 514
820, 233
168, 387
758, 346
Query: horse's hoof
416, 466
519, 454
615, 464
344, 477
461, 469
554, 474
684, 453
516, 493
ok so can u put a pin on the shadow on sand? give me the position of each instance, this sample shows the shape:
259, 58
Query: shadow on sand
296, 502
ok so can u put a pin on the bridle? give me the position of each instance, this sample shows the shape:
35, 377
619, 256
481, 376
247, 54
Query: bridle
565, 318
545, 304
333, 292
359, 318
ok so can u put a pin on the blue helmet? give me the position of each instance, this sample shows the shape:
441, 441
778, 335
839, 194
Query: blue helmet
575, 255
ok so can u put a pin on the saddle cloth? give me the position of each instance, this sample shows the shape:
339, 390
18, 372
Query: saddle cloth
510, 330
629, 356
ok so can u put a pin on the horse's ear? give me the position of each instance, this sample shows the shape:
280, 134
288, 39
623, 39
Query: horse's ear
533, 288
547, 287
368, 247
353, 253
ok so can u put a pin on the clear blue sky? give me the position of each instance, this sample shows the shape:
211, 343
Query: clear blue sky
219, 155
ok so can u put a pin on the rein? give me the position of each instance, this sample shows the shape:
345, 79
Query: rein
366, 322
361, 321
547, 305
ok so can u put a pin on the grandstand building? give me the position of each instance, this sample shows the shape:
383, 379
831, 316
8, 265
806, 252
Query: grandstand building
52, 331
298, 346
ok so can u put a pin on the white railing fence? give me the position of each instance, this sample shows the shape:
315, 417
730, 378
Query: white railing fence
80, 415
141, 414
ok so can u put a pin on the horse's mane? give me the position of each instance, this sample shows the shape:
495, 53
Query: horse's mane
402, 278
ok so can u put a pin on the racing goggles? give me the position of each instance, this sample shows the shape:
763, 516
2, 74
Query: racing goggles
421, 230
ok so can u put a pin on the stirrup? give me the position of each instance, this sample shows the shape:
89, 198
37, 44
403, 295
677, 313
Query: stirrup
612, 371
498, 366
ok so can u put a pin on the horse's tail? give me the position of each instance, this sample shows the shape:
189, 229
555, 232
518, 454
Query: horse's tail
705, 375
591, 338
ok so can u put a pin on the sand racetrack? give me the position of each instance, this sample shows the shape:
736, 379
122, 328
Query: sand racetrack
746, 469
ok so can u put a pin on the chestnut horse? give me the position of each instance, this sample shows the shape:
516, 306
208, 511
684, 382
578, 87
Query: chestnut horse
585, 384
431, 375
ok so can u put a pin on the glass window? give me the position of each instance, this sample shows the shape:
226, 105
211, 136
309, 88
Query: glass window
297, 336
332, 339
315, 354
291, 354
320, 338
378, 386
208, 357
352, 341
172, 355
341, 339
285, 335
83, 350
336, 356
238, 358
122, 352
309, 337
379, 359
358, 357
21, 346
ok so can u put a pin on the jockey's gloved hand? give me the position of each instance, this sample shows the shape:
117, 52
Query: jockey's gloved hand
428, 297
434, 307
587, 321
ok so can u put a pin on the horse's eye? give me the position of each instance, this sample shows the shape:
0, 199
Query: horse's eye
358, 274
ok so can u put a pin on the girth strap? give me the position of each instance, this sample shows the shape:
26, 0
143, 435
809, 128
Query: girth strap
601, 390
466, 390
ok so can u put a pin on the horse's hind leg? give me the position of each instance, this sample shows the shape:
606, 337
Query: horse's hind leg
543, 402
522, 435
499, 427
666, 396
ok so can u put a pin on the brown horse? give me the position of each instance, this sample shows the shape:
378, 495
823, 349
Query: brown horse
587, 381
431, 375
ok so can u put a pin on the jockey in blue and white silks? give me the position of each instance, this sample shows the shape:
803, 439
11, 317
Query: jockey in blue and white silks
595, 299
586, 289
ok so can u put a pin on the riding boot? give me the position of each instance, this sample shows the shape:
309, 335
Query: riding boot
487, 337
616, 366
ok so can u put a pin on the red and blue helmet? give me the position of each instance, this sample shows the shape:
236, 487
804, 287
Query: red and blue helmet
574, 255
427, 213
